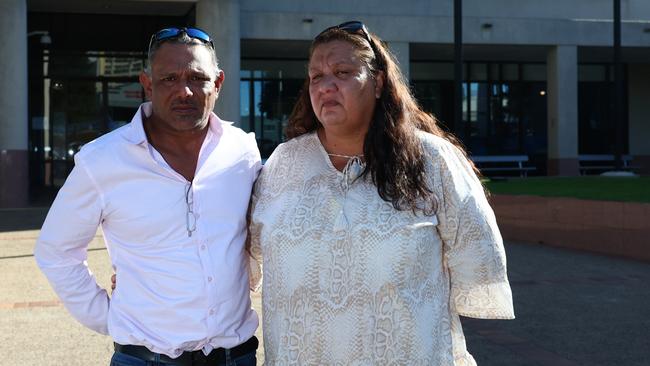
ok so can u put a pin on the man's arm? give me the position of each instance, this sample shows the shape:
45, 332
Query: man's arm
61, 249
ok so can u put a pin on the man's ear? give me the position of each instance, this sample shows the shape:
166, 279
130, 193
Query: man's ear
219, 80
145, 81
379, 84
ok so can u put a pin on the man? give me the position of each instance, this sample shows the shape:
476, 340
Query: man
170, 191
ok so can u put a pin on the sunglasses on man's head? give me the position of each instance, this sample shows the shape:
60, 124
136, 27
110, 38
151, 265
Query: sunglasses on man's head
169, 33
352, 27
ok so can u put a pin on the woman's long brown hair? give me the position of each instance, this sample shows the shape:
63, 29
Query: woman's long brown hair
393, 152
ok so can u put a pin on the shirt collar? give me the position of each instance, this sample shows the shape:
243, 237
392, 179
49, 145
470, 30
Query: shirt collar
136, 135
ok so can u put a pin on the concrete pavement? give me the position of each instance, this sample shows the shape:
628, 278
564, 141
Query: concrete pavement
572, 308
35, 329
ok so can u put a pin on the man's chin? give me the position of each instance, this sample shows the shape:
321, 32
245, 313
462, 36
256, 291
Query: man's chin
187, 123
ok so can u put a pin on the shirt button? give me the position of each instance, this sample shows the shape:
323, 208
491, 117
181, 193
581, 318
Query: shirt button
211, 312
203, 247
209, 279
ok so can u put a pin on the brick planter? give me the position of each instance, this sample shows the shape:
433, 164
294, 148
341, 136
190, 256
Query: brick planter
615, 228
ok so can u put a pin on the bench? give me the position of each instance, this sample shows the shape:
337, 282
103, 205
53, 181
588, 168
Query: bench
601, 162
502, 163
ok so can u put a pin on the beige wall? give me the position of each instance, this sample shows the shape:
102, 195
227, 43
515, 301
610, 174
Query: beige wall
220, 18
13, 104
401, 52
562, 97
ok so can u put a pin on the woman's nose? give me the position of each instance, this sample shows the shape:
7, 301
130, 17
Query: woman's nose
328, 84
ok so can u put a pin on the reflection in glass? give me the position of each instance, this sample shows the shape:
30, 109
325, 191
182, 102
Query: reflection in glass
271, 102
76, 97
244, 104
501, 118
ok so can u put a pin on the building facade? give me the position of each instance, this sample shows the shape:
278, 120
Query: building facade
538, 76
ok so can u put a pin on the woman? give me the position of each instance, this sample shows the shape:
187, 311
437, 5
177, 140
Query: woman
374, 230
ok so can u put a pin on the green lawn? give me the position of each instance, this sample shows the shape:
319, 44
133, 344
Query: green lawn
590, 188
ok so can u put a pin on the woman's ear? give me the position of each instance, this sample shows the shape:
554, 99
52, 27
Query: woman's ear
379, 84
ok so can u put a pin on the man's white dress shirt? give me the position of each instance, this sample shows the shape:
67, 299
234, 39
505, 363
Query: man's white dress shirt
176, 290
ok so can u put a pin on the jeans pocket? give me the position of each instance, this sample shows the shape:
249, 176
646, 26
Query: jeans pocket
249, 359
122, 359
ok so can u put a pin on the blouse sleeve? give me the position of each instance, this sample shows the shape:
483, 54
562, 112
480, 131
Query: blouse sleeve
472, 244
255, 273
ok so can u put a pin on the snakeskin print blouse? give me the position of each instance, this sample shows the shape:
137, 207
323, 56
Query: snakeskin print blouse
349, 280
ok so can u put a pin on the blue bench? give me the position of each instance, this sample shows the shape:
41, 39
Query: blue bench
502, 163
599, 163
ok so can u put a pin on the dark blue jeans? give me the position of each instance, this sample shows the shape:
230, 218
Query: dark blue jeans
121, 359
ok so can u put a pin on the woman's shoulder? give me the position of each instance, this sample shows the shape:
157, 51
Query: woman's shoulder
290, 151
297, 142
296, 145
436, 145
450, 163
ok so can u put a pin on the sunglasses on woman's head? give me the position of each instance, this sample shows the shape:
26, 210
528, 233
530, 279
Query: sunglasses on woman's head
169, 33
352, 27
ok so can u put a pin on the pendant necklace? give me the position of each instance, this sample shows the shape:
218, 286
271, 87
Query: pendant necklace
345, 156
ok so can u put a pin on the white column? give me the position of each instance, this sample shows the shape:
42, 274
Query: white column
401, 52
220, 18
14, 181
639, 116
562, 97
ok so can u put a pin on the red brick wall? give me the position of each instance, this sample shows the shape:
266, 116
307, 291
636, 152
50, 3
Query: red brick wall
616, 228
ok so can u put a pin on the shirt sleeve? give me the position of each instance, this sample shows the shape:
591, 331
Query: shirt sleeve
473, 247
61, 249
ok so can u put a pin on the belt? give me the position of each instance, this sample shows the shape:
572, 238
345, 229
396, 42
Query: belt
189, 358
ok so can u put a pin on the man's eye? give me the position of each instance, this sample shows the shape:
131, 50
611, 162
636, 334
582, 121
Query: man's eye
316, 77
342, 72
199, 78
169, 78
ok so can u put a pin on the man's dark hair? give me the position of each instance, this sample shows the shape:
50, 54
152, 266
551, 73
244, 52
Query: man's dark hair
183, 38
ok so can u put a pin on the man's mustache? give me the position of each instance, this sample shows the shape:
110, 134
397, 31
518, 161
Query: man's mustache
183, 103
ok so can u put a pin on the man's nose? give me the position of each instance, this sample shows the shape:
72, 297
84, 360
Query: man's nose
185, 89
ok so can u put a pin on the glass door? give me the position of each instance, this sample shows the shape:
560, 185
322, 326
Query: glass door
265, 107
76, 117
81, 111
122, 101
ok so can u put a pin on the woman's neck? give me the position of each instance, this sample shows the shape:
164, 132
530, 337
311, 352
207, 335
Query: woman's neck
342, 144
341, 148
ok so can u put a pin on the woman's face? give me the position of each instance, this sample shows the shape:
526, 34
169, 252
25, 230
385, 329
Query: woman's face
343, 93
